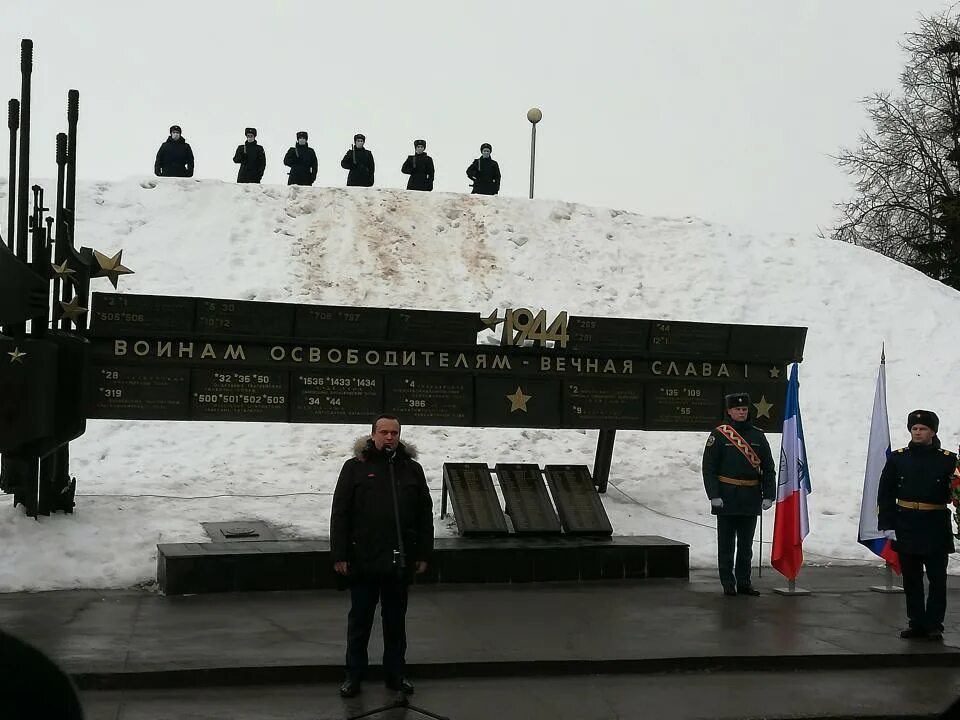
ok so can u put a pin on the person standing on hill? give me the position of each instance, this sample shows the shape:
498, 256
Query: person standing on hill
485, 172
419, 167
739, 479
251, 158
175, 157
302, 161
913, 501
359, 161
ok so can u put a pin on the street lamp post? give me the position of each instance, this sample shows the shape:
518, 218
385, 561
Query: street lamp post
534, 116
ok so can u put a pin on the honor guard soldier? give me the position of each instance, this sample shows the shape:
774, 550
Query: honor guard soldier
915, 490
739, 479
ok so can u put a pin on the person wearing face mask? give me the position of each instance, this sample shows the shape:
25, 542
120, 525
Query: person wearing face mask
251, 158
913, 501
485, 172
739, 479
175, 157
419, 167
359, 161
302, 161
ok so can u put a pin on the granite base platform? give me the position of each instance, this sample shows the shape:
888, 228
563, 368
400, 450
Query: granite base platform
189, 568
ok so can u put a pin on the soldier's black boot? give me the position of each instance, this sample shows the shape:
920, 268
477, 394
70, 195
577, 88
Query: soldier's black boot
399, 684
914, 633
729, 590
748, 590
349, 688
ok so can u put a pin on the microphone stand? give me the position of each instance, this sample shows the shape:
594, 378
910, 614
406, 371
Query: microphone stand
401, 700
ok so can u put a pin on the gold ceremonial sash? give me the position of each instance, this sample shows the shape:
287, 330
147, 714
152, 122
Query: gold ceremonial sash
740, 444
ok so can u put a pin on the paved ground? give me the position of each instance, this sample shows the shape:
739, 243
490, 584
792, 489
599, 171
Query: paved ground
579, 651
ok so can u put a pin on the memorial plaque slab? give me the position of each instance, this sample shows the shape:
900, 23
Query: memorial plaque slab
244, 317
526, 499
768, 341
335, 397
476, 506
141, 314
455, 328
138, 393
518, 402
430, 399
578, 503
672, 338
616, 404
683, 405
239, 395
600, 333
346, 323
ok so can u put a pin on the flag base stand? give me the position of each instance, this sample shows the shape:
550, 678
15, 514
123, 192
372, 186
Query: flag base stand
888, 587
791, 589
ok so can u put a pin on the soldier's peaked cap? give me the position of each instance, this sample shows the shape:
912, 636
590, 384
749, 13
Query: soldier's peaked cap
250, 131
360, 136
419, 143
923, 417
486, 146
737, 400
302, 134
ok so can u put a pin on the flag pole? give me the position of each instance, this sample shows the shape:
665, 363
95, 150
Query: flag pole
760, 549
888, 587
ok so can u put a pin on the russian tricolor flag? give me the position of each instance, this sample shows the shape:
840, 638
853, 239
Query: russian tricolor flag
792, 523
878, 449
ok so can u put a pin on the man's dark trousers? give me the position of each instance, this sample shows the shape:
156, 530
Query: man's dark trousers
929, 618
735, 530
365, 591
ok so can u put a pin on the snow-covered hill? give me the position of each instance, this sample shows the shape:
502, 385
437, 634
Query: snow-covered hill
142, 483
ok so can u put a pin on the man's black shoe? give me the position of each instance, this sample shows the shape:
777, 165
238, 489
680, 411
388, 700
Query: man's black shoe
729, 590
349, 688
400, 684
914, 634
935, 636
747, 591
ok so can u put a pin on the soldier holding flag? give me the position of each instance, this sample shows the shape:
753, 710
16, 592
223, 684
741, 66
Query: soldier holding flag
738, 475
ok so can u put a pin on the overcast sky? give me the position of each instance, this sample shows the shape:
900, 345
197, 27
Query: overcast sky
724, 109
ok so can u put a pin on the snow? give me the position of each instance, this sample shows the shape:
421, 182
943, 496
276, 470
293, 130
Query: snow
143, 483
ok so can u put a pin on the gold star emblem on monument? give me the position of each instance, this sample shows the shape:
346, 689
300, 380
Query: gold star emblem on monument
72, 310
62, 270
491, 321
518, 401
16, 356
110, 267
763, 407
774, 372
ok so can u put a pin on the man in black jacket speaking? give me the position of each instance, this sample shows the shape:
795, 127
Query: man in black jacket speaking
381, 533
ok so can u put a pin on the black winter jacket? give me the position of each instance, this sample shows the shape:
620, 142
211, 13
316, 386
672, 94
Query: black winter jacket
174, 159
252, 160
359, 161
362, 523
917, 473
721, 458
485, 173
420, 170
302, 161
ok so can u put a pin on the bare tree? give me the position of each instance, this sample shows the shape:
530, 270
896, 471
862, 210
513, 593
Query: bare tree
907, 168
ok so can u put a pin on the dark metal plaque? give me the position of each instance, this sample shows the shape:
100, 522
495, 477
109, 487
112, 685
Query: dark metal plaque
341, 323
430, 399
426, 326
244, 317
681, 405
518, 402
239, 395
138, 393
577, 500
768, 342
767, 403
600, 333
671, 338
616, 404
335, 397
476, 506
116, 313
526, 499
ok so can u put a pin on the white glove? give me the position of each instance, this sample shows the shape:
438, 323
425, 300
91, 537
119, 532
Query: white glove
767, 504
716, 502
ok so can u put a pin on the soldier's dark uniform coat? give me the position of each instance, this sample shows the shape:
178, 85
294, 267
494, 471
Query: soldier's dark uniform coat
485, 173
918, 473
302, 161
420, 170
174, 159
359, 161
252, 160
720, 457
